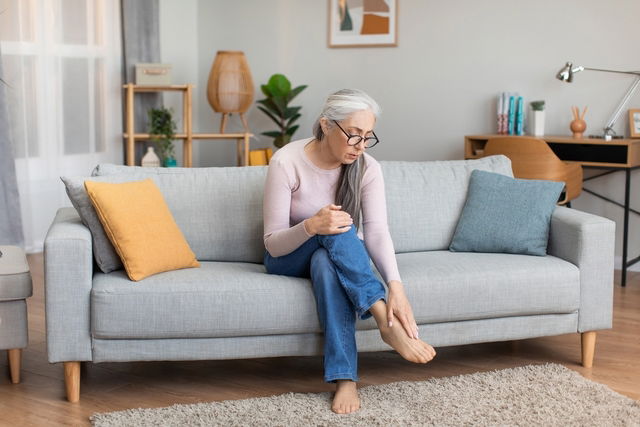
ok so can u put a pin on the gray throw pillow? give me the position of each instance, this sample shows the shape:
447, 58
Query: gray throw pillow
506, 215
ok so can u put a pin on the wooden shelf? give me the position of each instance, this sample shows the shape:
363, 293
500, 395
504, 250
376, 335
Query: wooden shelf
187, 135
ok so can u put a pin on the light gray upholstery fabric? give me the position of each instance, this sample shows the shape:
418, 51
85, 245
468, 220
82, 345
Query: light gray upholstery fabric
68, 269
438, 334
240, 299
105, 254
15, 279
445, 286
13, 324
425, 199
587, 241
219, 210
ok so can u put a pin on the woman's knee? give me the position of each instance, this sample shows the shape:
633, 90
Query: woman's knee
320, 260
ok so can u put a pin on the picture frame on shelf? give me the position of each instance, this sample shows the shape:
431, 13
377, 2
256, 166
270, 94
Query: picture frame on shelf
367, 23
634, 123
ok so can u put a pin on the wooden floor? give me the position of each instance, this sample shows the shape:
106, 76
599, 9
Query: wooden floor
39, 399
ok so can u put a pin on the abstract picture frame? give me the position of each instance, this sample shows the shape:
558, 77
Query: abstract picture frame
634, 123
363, 23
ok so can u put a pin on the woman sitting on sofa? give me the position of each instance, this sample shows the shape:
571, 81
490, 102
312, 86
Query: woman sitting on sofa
322, 196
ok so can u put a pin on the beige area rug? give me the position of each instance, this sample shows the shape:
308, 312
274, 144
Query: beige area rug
540, 395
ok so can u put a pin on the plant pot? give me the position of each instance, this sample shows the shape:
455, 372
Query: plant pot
170, 163
537, 123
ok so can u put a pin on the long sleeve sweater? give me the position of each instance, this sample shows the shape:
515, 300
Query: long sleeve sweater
296, 189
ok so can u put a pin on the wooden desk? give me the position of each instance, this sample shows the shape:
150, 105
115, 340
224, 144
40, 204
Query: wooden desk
187, 135
615, 155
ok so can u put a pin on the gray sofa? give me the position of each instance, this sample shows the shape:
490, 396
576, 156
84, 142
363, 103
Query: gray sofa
230, 308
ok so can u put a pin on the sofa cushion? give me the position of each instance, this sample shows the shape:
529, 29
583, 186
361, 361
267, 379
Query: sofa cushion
219, 299
140, 227
223, 299
104, 253
443, 286
219, 210
425, 199
504, 214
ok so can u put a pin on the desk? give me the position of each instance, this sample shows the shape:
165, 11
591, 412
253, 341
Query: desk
187, 135
613, 156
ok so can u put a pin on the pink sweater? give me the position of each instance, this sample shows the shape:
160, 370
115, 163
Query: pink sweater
296, 189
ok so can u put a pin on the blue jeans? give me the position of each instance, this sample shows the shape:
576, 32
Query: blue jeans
344, 286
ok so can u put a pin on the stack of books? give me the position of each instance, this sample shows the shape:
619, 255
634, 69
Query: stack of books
510, 114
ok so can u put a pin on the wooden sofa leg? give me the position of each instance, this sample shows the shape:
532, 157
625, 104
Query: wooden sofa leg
15, 358
588, 348
72, 381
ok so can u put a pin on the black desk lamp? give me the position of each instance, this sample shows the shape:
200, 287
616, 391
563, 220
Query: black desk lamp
566, 75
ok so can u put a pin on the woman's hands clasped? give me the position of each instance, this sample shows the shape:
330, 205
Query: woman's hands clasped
329, 220
398, 306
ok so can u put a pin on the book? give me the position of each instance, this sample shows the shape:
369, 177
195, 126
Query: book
519, 126
512, 114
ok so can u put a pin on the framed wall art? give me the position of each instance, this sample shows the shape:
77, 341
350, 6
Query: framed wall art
634, 123
360, 23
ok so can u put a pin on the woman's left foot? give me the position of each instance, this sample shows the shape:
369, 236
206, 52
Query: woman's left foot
346, 399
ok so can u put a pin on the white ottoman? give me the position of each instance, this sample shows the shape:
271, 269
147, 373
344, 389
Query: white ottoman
15, 287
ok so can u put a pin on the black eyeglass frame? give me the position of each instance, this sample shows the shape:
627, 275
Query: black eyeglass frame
360, 138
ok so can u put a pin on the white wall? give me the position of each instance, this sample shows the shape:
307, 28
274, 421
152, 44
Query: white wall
439, 84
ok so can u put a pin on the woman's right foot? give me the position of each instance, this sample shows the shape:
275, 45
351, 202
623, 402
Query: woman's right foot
412, 349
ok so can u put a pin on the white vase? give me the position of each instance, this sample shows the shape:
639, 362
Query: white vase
151, 159
537, 123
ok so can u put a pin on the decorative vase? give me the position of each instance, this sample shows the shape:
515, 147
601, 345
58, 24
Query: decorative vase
150, 159
537, 123
578, 127
170, 162
230, 87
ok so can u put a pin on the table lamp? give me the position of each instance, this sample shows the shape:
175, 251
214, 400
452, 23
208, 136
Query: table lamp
566, 75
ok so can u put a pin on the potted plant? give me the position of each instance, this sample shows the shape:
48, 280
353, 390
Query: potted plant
537, 118
278, 94
162, 131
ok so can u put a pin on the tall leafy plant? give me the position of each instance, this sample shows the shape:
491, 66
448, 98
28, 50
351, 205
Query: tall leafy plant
278, 94
162, 131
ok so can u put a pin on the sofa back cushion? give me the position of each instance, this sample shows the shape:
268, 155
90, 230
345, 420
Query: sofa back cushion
219, 210
425, 199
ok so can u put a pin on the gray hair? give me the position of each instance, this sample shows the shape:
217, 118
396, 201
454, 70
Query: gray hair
339, 106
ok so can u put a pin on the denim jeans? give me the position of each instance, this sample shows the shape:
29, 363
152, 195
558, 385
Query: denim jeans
344, 286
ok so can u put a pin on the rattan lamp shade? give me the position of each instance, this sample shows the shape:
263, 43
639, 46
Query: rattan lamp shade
230, 87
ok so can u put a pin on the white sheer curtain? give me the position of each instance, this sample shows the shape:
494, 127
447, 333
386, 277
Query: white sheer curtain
62, 62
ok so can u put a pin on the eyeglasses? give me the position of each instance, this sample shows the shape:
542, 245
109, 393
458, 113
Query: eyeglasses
353, 140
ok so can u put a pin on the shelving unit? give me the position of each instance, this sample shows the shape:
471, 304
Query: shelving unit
187, 135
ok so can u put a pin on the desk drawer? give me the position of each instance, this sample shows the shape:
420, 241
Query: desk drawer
597, 153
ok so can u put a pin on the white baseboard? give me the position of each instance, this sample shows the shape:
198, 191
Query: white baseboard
617, 262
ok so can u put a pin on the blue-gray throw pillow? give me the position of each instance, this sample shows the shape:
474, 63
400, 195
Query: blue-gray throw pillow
506, 215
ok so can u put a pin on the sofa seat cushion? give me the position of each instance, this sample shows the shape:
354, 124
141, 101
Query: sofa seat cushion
219, 299
444, 286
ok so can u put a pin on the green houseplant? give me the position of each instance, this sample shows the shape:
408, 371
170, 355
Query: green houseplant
162, 130
278, 94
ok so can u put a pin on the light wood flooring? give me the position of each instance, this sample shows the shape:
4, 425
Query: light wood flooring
39, 399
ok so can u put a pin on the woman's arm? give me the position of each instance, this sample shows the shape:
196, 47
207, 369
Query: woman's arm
380, 246
279, 237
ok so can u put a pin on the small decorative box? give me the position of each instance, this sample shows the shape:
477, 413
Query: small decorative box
153, 74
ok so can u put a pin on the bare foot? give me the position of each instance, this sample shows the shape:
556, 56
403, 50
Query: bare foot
346, 399
414, 350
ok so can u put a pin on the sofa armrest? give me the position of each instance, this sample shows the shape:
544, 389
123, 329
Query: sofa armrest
587, 241
68, 271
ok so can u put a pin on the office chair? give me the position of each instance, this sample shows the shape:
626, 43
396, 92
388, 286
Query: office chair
532, 158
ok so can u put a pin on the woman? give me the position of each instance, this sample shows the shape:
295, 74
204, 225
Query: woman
322, 195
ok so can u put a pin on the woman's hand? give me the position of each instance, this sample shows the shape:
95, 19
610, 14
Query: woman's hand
329, 220
398, 306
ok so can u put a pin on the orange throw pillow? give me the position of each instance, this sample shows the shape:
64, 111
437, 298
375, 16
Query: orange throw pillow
141, 227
